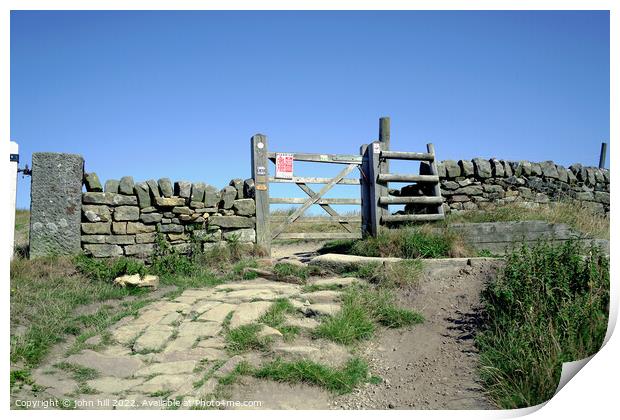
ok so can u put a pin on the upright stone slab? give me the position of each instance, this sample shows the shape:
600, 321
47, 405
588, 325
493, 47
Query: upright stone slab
55, 204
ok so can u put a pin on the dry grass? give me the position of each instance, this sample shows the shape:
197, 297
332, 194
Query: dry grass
577, 216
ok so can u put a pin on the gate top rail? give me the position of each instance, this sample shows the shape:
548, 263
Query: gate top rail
321, 157
389, 154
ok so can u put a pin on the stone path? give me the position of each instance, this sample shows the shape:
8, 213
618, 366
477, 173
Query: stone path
177, 349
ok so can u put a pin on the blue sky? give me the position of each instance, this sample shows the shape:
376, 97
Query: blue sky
179, 94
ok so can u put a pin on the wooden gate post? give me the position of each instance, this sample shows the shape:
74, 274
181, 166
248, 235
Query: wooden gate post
384, 138
260, 174
364, 190
430, 148
376, 189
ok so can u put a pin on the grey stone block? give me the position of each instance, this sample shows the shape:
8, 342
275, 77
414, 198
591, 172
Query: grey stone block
467, 167
249, 188
549, 170
144, 196
96, 213
228, 195
126, 213
497, 168
151, 218
232, 221
165, 186
212, 196
111, 186
94, 239
121, 239
171, 228
124, 200
183, 189
100, 228
242, 235
56, 204
198, 191
153, 189
139, 250
237, 183
91, 180
103, 250
482, 168
137, 227
244, 207
452, 168
126, 185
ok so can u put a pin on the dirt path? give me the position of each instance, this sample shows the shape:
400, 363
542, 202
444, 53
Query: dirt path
432, 365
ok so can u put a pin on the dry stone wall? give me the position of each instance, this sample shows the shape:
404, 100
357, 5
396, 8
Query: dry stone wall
478, 183
124, 217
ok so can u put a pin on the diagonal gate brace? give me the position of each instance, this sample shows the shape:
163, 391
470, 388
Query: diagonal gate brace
313, 199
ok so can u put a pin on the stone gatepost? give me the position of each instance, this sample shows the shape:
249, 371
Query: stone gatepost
55, 204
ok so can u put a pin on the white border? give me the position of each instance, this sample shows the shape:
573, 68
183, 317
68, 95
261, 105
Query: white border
592, 394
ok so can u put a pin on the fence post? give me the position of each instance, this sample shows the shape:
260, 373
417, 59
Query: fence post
384, 138
430, 148
13, 162
260, 174
364, 190
601, 160
376, 189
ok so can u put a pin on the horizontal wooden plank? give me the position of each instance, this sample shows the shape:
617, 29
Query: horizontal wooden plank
319, 235
320, 219
411, 200
389, 154
412, 217
407, 178
295, 200
314, 180
321, 158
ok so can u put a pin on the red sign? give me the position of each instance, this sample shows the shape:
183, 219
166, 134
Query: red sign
284, 165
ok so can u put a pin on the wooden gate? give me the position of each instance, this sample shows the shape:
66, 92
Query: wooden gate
265, 232
374, 175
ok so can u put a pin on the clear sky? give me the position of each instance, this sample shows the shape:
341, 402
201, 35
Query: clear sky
179, 94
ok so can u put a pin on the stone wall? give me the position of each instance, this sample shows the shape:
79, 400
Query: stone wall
125, 217
478, 183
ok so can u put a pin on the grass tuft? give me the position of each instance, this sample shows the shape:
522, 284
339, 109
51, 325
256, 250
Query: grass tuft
245, 338
340, 381
362, 308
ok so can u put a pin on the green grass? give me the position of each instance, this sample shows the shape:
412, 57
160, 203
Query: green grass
549, 306
407, 242
363, 307
339, 381
275, 316
245, 338
394, 275
44, 295
283, 270
78, 372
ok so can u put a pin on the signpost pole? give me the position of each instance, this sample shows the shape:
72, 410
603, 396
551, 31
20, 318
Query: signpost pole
260, 174
14, 161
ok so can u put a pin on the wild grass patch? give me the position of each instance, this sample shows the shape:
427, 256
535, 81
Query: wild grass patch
550, 305
363, 307
339, 381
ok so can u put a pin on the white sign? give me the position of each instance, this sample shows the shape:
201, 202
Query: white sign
284, 165
376, 148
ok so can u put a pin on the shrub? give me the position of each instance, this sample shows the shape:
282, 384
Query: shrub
549, 306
